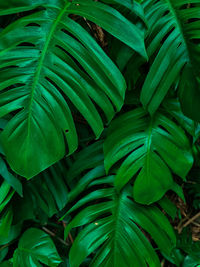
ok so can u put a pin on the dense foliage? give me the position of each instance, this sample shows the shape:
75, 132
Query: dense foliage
99, 133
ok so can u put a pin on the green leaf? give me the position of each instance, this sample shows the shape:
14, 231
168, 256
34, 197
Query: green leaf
112, 21
13, 234
148, 149
62, 67
3, 123
35, 247
168, 206
6, 193
173, 27
48, 190
110, 227
10, 178
5, 224
6, 264
130, 5
187, 252
172, 106
3, 253
44, 196
13, 7
4, 172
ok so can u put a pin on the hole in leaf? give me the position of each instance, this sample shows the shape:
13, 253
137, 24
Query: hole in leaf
32, 24
166, 12
72, 57
26, 44
164, 129
70, 34
167, 35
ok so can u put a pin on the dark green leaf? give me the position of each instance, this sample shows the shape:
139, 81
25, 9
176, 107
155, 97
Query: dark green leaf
151, 148
174, 51
35, 247
9, 177
36, 81
111, 224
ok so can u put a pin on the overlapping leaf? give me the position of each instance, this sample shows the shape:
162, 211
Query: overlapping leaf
48, 191
6, 194
49, 64
173, 107
34, 249
148, 149
174, 50
111, 221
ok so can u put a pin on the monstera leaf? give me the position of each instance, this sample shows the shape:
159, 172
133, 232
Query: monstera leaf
51, 65
112, 221
48, 190
149, 149
173, 27
35, 248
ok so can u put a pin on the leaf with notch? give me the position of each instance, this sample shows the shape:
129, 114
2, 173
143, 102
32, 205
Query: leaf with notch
35, 247
149, 149
50, 63
111, 222
173, 27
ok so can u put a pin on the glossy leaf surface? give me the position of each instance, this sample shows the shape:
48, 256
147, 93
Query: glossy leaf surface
111, 225
49, 64
174, 51
35, 247
149, 149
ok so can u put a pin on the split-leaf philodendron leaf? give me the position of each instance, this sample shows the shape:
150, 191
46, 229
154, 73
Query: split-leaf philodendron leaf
48, 63
151, 149
112, 227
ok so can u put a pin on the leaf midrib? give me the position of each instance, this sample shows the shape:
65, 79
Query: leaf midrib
148, 143
174, 13
118, 199
40, 65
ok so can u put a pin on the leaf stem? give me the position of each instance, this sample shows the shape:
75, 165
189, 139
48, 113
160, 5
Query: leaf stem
54, 235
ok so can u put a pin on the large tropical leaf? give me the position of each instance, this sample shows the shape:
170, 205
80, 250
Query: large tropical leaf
129, 5
174, 50
49, 65
149, 149
35, 247
112, 221
44, 196
48, 191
